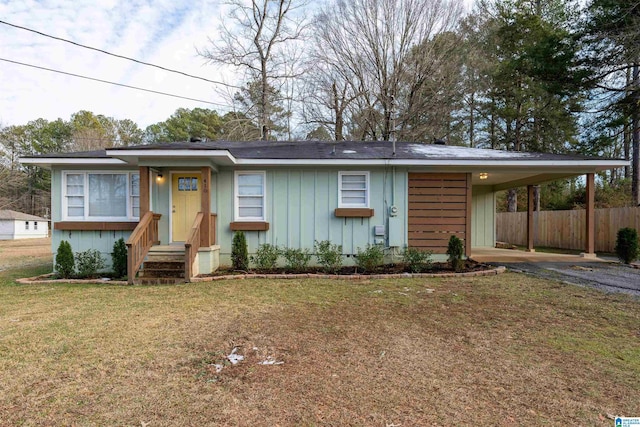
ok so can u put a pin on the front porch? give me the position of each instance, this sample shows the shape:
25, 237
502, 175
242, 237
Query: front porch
171, 259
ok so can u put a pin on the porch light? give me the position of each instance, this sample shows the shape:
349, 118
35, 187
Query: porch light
484, 175
159, 177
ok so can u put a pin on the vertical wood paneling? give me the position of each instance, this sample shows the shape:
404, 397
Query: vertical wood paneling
567, 229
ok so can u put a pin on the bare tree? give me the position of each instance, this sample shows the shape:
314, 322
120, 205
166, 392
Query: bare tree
369, 41
256, 44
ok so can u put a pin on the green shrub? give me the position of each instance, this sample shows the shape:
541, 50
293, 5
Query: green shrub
89, 262
239, 252
329, 255
417, 260
65, 264
627, 245
370, 258
455, 250
266, 256
296, 259
119, 258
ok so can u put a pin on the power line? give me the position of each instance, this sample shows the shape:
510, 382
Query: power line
113, 83
120, 56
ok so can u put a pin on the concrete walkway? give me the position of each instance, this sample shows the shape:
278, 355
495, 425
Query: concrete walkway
497, 256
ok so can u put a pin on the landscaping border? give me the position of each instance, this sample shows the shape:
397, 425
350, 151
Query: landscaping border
490, 272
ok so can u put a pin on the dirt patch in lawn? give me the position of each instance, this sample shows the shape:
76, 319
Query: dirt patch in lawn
25, 252
500, 350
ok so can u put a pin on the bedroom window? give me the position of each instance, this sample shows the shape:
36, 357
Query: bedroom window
249, 196
35, 225
101, 196
353, 189
26, 225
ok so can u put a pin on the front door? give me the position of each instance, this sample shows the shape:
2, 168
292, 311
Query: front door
185, 200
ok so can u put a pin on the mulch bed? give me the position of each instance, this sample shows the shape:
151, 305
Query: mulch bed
387, 269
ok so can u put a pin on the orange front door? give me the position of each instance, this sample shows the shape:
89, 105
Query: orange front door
185, 201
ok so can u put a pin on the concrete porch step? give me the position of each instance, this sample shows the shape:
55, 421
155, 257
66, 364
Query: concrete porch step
158, 280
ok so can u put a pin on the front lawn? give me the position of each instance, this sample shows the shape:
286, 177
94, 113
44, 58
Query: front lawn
497, 350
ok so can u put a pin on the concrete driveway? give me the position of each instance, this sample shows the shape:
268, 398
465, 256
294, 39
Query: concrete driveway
601, 273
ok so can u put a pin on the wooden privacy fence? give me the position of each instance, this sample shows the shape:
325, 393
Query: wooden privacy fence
566, 229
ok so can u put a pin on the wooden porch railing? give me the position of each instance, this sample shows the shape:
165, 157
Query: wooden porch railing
191, 246
142, 238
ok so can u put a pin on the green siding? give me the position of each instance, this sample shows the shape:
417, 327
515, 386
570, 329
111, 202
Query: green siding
483, 231
300, 206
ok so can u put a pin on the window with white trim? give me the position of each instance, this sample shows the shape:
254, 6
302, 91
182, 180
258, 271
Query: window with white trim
35, 225
249, 196
107, 196
353, 189
26, 225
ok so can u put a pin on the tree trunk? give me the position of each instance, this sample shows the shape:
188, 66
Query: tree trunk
263, 101
536, 198
471, 121
635, 125
627, 135
512, 200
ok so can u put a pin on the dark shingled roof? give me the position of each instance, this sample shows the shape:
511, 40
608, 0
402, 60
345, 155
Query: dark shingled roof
15, 215
357, 150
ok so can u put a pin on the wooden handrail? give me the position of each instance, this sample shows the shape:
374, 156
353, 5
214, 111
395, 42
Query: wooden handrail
212, 229
140, 241
191, 246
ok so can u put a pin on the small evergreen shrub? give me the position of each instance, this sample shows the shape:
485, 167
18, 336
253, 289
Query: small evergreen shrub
455, 250
266, 257
627, 246
65, 264
329, 255
89, 262
296, 259
119, 258
239, 252
417, 260
370, 258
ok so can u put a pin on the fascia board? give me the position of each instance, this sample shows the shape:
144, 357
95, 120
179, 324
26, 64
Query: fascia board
482, 163
171, 153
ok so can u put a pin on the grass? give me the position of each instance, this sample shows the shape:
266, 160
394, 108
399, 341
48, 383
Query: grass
501, 350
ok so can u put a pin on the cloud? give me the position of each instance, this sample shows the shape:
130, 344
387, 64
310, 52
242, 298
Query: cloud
163, 32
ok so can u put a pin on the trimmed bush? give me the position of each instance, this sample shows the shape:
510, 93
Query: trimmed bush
65, 263
329, 255
417, 260
239, 252
296, 259
455, 250
266, 257
370, 258
119, 258
89, 262
627, 245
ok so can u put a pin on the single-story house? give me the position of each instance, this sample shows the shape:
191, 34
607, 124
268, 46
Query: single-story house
192, 196
18, 225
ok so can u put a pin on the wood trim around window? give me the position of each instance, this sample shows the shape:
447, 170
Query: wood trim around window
353, 212
249, 226
94, 226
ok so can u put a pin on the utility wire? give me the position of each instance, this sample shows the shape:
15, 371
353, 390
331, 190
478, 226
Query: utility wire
113, 83
120, 56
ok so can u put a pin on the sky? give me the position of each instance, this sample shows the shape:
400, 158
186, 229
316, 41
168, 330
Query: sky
161, 32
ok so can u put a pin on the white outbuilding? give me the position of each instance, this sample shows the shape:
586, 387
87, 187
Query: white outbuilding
18, 225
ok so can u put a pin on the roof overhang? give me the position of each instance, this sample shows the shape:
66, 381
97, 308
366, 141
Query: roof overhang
134, 157
47, 162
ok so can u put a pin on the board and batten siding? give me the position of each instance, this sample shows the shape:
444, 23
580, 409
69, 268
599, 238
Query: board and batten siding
300, 206
483, 217
80, 240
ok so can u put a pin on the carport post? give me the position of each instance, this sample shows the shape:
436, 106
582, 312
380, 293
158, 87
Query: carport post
590, 223
530, 229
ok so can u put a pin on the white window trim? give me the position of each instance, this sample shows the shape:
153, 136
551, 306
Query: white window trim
86, 217
236, 204
367, 189
26, 225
